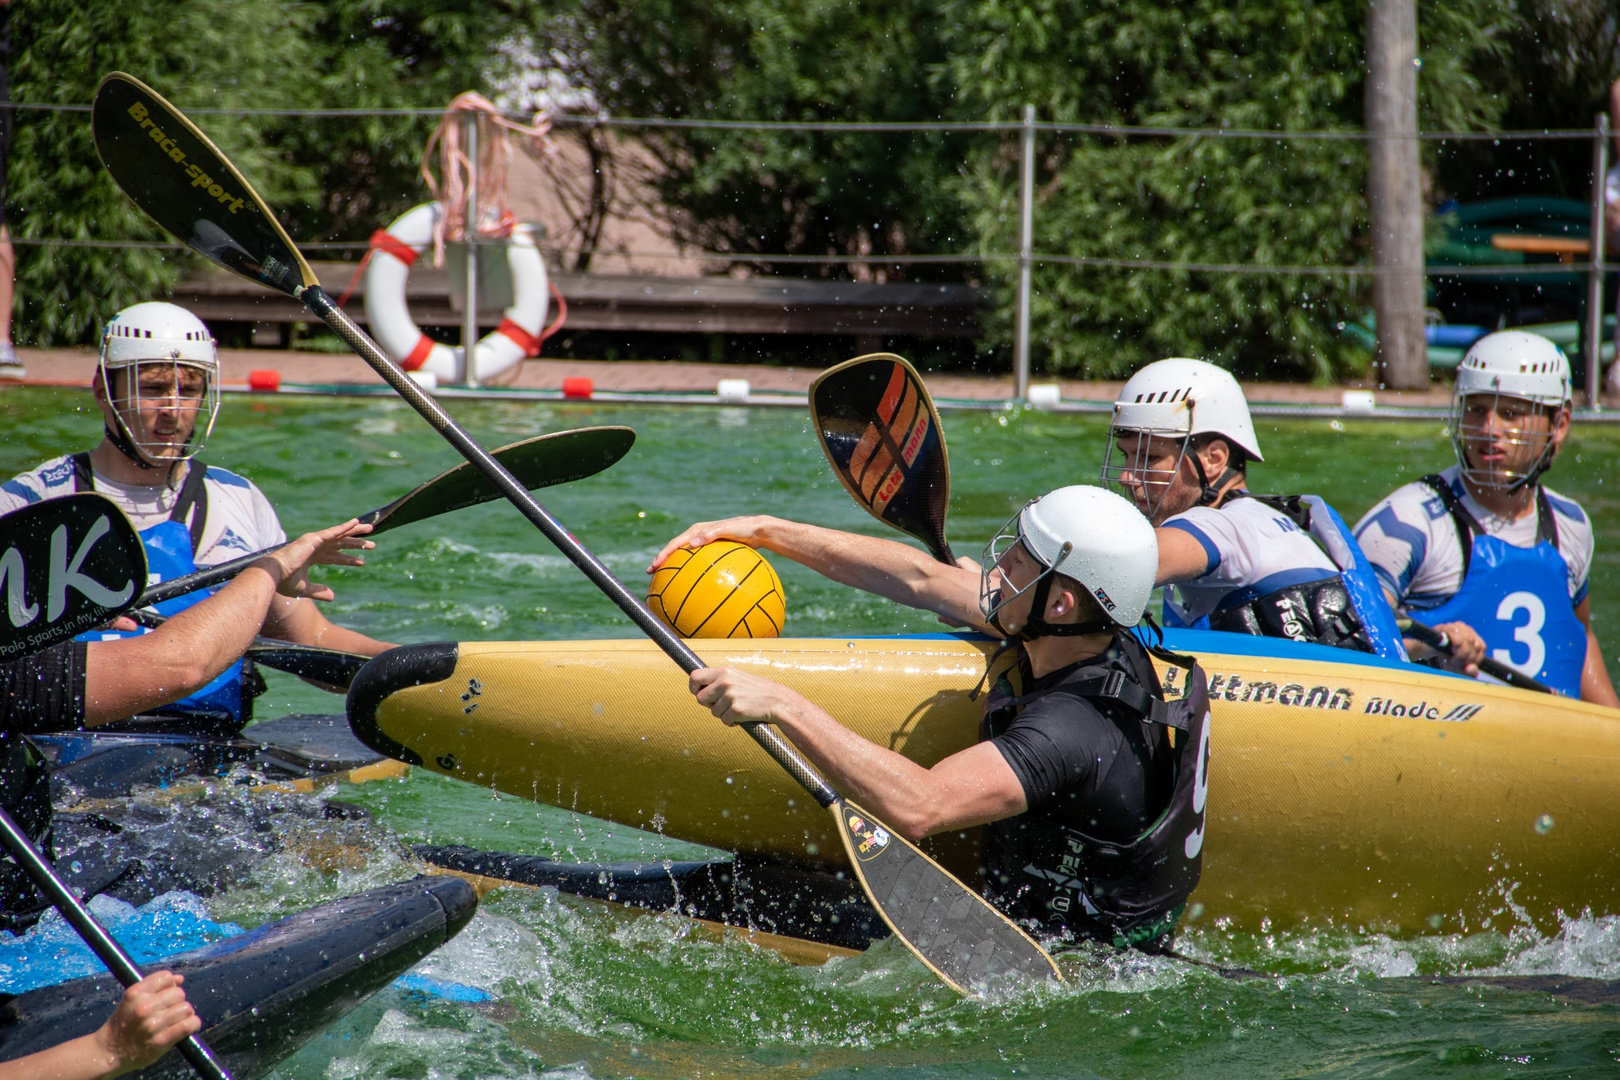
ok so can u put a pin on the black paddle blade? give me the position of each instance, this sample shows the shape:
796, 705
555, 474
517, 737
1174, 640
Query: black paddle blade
882, 435
173, 172
958, 933
68, 565
543, 461
306, 661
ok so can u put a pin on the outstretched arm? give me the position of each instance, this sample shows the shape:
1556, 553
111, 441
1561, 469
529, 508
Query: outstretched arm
1596, 686
299, 619
188, 651
886, 567
151, 1017
968, 788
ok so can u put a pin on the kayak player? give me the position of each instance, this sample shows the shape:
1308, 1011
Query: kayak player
1095, 816
1483, 551
1278, 566
151, 1017
92, 683
157, 383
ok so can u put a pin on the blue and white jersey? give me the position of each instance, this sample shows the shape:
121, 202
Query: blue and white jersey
1253, 551
1411, 541
240, 519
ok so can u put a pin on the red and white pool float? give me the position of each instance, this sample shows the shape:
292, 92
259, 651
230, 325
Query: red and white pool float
396, 248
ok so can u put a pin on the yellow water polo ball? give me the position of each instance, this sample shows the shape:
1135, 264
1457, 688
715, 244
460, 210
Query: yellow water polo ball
720, 590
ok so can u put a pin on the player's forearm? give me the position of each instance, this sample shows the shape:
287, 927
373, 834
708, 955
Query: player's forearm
872, 564
300, 620
77, 1059
183, 655
1596, 685
890, 785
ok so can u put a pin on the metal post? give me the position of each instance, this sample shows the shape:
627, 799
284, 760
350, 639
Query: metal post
1594, 268
1026, 238
469, 317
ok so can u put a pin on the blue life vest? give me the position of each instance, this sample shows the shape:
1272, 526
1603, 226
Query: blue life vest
1346, 611
171, 552
1516, 599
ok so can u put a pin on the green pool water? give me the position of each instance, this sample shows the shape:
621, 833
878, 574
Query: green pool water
581, 990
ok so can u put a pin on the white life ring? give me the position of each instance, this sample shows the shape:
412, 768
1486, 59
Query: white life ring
395, 248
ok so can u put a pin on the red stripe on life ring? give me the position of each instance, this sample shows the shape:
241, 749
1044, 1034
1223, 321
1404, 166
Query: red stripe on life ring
519, 337
418, 356
383, 240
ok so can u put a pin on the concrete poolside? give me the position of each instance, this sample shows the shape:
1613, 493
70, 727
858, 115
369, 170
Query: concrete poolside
75, 366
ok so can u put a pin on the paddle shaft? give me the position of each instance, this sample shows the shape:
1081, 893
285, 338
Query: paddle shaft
315, 298
1494, 668
20, 848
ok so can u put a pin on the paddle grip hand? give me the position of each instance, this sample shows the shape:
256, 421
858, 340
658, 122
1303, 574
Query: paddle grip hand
1446, 637
768, 738
44, 876
151, 1017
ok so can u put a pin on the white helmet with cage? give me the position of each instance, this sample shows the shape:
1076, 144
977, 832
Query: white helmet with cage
160, 333
1089, 535
1510, 364
1178, 399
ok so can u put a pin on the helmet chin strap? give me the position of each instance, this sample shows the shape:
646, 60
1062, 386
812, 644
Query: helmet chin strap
1211, 492
1037, 627
120, 438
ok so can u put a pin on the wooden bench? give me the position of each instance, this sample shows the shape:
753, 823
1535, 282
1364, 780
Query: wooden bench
1565, 247
706, 305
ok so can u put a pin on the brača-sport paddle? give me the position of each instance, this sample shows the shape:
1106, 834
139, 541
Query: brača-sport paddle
881, 433
543, 461
176, 175
70, 564
1433, 638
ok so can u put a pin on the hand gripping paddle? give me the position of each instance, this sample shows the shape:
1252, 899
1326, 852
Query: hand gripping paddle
70, 564
1492, 667
176, 175
881, 433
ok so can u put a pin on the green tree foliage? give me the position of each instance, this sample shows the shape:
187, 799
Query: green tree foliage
780, 191
200, 54
1280, 65
332, 178
1561, 57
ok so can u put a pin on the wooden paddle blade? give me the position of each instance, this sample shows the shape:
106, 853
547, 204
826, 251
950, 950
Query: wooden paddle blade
956, 932
882, 435
543, 461
173, 172
68, 565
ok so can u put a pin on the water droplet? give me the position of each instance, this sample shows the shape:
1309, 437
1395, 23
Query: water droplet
812, 849
1544, 824
76, 866
1436, 921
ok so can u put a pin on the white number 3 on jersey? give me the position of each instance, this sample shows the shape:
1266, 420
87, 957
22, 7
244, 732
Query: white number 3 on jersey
1528, 634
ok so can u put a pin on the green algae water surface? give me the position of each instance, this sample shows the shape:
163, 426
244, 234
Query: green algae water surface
580, 990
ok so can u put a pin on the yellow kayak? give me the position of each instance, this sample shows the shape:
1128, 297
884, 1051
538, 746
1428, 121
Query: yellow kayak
1361, 793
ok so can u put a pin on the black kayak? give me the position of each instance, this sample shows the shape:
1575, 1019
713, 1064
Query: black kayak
816, 907
108, 762
265, 993
187, 831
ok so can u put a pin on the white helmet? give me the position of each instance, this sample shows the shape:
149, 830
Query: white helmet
1178, 399
1087, 534
1512, 364
155, 333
